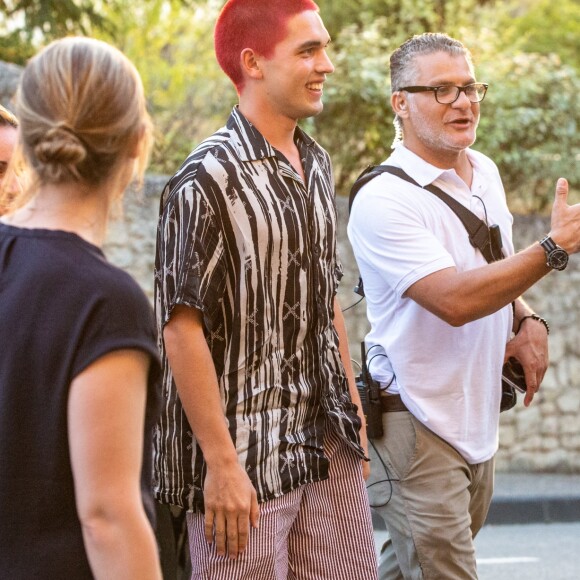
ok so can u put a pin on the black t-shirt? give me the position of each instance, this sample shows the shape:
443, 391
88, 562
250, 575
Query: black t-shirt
62, 306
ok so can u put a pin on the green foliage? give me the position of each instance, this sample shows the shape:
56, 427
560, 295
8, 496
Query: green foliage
356, 123
542, 26
23, 22
189, 97
530, 118
404, 17
529, 125
25, 25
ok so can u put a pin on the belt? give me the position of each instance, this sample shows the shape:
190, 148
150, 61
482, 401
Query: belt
392, 403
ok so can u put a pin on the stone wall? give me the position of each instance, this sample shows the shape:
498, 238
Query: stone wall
544, 437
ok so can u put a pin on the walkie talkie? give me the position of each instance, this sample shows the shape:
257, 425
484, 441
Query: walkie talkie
372, 391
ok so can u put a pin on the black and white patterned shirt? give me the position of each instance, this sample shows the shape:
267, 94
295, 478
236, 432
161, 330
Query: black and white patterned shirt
242, 239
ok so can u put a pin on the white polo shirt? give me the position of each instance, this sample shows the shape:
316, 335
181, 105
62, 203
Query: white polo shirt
449, 378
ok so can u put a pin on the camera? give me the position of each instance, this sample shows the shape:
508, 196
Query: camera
513, 375
512, 380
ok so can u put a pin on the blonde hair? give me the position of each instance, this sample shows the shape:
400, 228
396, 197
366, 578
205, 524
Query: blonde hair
82, 113
7, 119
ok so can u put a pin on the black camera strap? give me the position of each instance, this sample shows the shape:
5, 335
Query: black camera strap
480, 235
486, 239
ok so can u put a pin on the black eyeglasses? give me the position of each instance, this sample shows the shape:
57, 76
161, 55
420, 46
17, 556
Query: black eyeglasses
448, 94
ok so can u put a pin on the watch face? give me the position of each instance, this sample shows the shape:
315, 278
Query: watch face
558, 259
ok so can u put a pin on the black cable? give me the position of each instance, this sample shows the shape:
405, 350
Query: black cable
375, 356
374, 346
388, 479
353, 305
484, 209
369, 366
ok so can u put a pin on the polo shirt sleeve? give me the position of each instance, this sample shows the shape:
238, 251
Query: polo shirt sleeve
393, 235
190, 253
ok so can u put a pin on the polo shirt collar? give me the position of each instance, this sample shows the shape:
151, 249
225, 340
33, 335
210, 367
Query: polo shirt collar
425, 174
420, 170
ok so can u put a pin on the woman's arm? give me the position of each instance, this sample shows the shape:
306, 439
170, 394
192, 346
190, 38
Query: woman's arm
106, 410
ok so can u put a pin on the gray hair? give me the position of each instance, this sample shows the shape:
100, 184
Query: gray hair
403, 59
403, 65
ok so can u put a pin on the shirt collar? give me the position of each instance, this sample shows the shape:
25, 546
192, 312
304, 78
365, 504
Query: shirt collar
250, 144
420, 170
424, 173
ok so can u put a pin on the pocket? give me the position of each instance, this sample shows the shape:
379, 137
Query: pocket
392, 455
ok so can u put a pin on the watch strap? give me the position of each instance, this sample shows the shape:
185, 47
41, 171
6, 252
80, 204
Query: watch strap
548, 244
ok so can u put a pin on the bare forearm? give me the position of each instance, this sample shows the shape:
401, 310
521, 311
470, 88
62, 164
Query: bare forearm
461, 297
345, 356
343, 347
106, 410
230, 499
521, 310
197, 385
121, 544
485, 290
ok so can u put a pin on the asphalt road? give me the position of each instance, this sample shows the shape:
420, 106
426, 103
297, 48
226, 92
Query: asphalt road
529, 552
525, 552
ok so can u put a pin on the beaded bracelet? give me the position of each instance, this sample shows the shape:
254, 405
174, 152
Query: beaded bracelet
535, 317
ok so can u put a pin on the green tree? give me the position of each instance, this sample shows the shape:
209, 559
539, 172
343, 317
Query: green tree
24, 22
171, 44
542, 26
529, 125
530, 118
25, 25
404, 17
356, 123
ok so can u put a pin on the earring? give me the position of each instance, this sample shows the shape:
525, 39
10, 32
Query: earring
398, 132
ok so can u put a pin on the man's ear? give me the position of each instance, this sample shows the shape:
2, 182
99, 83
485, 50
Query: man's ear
250, 63
399, 104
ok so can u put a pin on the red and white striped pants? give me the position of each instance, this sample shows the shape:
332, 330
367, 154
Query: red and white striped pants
320, 531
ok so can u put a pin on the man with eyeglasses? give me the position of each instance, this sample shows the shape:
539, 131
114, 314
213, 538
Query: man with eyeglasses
441, 317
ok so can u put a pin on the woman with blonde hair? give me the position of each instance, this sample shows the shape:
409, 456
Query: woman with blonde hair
79, 368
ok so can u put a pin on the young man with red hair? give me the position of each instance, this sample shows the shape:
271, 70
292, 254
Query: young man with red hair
260, 439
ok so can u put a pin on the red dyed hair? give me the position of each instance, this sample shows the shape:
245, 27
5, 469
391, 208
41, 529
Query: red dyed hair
256, 24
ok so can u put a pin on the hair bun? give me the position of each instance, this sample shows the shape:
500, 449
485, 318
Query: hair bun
60, 146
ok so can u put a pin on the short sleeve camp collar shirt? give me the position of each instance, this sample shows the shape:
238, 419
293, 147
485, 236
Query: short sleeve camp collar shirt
243, 239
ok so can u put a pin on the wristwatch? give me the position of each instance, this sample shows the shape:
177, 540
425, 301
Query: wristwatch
556, 257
